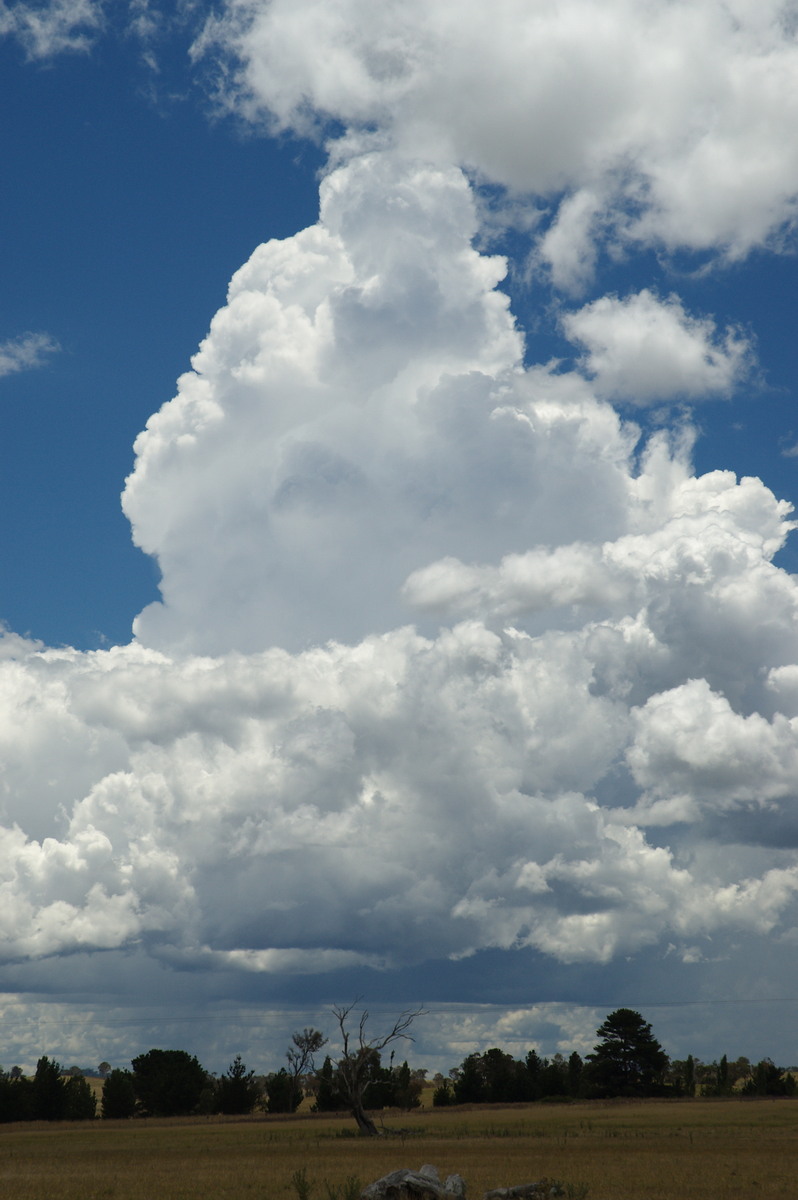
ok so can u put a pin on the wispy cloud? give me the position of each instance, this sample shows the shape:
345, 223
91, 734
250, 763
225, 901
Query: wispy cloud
26, 352
53, 28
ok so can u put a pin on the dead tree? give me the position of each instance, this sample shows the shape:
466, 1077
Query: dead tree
355, 1066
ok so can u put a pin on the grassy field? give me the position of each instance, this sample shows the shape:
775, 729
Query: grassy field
701, 1150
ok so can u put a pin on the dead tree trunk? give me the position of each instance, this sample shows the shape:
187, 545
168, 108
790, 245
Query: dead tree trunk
355, 1065
364, 1121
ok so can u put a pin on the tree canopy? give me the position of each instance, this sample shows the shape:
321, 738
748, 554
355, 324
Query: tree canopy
168, 1083
628, 1061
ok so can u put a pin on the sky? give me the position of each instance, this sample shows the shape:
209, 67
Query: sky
399, 458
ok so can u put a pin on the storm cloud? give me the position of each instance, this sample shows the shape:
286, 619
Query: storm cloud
451, 657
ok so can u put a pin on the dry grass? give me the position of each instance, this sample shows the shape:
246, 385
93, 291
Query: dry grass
701, 1150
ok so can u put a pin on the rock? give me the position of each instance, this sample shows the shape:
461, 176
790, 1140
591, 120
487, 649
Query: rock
455, 1186
543, 1189
423, 1184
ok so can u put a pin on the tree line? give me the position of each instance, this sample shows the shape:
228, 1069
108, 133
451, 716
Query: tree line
626, 1061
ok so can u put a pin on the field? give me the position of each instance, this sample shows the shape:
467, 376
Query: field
653, 1150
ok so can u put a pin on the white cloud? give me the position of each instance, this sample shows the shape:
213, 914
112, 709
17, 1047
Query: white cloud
280, 776
53, 27
692, 751
25, 352
667, 124
384, 803
358, 433
642, 349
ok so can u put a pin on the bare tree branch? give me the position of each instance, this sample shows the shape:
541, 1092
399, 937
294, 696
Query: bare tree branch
355, 1066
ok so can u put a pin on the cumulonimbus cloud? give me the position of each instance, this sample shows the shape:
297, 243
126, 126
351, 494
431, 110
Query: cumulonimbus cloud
441, 636
358, 442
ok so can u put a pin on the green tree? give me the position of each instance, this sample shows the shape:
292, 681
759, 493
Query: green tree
769, 1080
534, 1070
682, 1075
575, 1071
689, 1076
305, 1045
443, 1096
16, 1097
470, 1086
237, 1091
49, 1091
554, 1076
119, 1096
628, 1061
282, 1097
168, 1083
495, 1077
328, 1098
80, 1100
407, 1087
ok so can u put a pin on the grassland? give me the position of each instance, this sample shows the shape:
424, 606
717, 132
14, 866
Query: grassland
701, 1150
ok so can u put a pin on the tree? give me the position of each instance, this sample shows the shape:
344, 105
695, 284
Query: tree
119, 1096
682, 1076
575, 1071
301, 1060
80, 1101
724, 1086
554, 1076
534, 1071
407, 1087
469, 1086
355, 1066
769, 1080
104, 1070
49, 1091
16, 1097
236, 1091
328, 1098
494, 1077
628, 1061
168, 1083
281, 1095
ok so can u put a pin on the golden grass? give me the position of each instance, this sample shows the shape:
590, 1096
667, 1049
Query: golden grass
654, 1150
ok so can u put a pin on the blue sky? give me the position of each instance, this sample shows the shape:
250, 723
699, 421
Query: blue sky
131, 203
126, 209
440, 652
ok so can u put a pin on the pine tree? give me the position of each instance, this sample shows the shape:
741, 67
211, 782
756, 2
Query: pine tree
628, 1061
237, 1092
